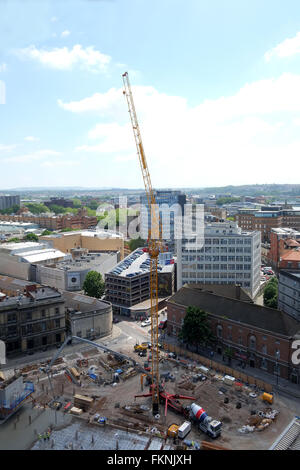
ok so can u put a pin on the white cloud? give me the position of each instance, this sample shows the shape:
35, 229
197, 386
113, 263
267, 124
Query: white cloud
243, 138
65, 33
287, 48
60, 163
3, 67
38, 155
31, 138
7, 148
66, 59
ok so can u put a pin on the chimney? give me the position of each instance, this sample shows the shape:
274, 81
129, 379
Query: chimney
238, 291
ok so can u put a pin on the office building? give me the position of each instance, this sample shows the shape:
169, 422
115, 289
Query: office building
267, 218
289, 293
170, 204
224, 255
6, 202
127, 286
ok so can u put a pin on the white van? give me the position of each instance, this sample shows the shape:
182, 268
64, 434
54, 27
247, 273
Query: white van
184, 429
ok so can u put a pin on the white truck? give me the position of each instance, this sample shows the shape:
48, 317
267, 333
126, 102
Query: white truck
210, 426
184, 429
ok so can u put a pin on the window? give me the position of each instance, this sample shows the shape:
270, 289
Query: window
252, 342
264, 349
219, 331
57, 310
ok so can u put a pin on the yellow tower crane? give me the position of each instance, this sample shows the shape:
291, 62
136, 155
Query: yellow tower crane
154, 243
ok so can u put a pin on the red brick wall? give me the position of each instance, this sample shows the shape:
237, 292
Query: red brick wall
176, 314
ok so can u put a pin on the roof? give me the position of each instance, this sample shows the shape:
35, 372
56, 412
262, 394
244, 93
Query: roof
44, 255
137, 263
291, 242
84, 303
230, 291
291, 255
246, 313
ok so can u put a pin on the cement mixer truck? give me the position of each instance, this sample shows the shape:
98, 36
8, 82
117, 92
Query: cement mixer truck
205, 423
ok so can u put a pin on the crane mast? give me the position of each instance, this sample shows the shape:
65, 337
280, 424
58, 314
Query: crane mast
154, 243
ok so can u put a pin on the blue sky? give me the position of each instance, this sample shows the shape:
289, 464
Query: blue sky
215, 83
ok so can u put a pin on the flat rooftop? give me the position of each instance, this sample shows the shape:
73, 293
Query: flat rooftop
137, 263
42, 293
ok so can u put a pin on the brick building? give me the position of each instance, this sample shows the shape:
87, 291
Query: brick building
56, 222
259, 336
284, 249
268, 217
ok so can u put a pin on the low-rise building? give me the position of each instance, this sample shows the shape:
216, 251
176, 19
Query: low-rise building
70, 275
87, 317
91, 240
284, 250
33, 320
260, 337
17, 259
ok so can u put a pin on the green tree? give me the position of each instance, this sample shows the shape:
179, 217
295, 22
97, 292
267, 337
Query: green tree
94, 285
271, 293
14, 240
31, 237
76, 203
196, 329
136, 243
36, 208
46, 232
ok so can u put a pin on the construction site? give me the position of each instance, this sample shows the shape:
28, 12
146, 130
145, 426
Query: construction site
108, 400
146, 397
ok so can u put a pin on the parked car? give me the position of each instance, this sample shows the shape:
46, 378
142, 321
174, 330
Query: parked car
146, 322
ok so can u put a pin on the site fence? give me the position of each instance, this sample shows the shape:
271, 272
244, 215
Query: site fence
218, 367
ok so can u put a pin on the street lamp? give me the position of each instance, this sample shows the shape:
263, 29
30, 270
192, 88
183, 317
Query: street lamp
277, 356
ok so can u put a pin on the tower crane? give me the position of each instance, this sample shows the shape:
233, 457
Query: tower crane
154, 244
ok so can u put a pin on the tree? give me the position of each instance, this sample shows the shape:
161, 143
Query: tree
10, 210
76, 203
136, 243
31, 237
14, 240
46, 232
271, 293
196, 328
37, 209
94, 285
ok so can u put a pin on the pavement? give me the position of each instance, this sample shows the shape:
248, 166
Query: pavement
17, 362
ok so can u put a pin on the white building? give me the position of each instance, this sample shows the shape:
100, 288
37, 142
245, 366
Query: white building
223, 254
16, 259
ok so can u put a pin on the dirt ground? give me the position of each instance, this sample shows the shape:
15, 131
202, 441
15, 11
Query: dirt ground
117, 402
